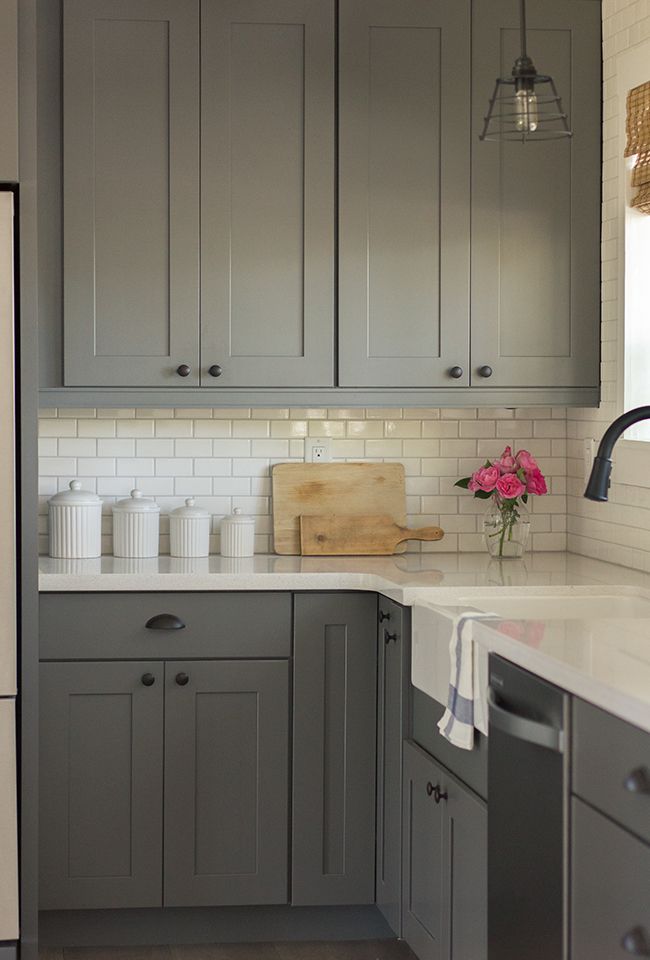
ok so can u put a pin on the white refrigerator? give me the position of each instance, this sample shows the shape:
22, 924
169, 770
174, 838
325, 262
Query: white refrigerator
8, 600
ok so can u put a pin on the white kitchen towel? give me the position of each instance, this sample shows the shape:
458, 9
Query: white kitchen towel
465, 707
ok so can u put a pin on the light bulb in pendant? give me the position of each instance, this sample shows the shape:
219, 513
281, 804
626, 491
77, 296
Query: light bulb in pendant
526, 114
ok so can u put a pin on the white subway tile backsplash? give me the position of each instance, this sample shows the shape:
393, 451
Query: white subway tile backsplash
223, 457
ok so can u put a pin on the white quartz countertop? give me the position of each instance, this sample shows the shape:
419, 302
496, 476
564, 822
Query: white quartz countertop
605, 661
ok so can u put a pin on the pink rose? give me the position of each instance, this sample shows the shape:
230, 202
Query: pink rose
506, 462
485, 479
535, 482
510, 486
526, 460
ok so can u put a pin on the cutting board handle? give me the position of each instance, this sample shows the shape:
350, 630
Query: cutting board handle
422, 533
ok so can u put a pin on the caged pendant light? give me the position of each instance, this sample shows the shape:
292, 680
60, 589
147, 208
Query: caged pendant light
526, 105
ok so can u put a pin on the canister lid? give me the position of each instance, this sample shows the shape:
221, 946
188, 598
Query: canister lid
238, 517
75, 496
190, 511
136, 503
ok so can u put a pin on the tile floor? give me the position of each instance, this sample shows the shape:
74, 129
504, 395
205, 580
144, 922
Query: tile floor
309, 950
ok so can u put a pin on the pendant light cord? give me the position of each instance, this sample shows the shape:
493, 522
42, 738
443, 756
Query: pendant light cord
522, 27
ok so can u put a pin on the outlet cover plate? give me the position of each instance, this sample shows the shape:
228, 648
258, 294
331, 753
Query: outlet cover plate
318, 450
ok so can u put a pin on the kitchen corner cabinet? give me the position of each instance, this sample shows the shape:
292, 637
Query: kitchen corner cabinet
101, 775
334, 746
444, 910
404, 165
393, 665
535, 289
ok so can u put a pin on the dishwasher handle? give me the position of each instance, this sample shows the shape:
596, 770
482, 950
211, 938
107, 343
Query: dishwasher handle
541, 734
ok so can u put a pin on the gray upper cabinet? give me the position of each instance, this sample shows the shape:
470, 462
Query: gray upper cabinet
227, 782
131, 192
101, 774
536, 206
334, 746
404, 149
267, 193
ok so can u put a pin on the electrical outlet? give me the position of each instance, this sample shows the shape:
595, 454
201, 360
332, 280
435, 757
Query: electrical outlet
588, 455
318, 450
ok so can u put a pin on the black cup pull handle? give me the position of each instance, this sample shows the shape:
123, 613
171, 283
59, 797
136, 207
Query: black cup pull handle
148, 679
182, 679
165, 621
638, 781
636, 942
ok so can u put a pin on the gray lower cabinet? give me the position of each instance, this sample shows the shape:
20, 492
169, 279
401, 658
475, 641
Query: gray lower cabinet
404, 171
131, 192
101, 776
334, 747
610, 905
267, 193
444, 911
226, 782
535, 298
393, 650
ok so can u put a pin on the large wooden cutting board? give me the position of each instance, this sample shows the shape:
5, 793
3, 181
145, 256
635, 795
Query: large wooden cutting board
345, 489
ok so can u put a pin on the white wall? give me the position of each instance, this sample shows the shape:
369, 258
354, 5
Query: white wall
619, 530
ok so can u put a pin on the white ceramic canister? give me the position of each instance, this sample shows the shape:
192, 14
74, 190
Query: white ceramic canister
75, 523
237, 535
189, 531
136, 527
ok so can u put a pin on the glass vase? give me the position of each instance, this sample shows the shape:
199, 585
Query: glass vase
506, 528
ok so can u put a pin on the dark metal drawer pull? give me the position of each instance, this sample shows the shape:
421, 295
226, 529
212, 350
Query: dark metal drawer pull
636, 942
148, 679
541, 734
165, 621
638, 781
389, 636
383, 616
182, 679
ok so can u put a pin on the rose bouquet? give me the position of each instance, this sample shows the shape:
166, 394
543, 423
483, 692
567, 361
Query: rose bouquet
507, 482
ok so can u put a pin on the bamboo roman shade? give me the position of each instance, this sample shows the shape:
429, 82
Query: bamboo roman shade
638, 143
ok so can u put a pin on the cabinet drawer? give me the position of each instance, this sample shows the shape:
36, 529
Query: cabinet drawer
112, 626
611, 766
611, 879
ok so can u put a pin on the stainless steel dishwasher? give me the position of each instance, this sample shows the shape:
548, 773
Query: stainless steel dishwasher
528, 802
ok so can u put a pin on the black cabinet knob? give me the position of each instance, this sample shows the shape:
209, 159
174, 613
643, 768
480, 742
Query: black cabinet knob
182, 679
438, 795
183, 370
456, 373
485, 371
429, 789
389, 636
638, 781
148, 679
636, 942
165, 621
215, 370
383, 616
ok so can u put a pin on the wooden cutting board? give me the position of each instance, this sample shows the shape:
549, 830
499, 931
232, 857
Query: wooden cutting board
357, 536
346, 489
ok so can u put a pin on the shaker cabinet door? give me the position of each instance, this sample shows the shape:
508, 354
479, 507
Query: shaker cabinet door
404, 175
267, 193
226, 782
536, 206
131, 193
101, 777
334, 747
